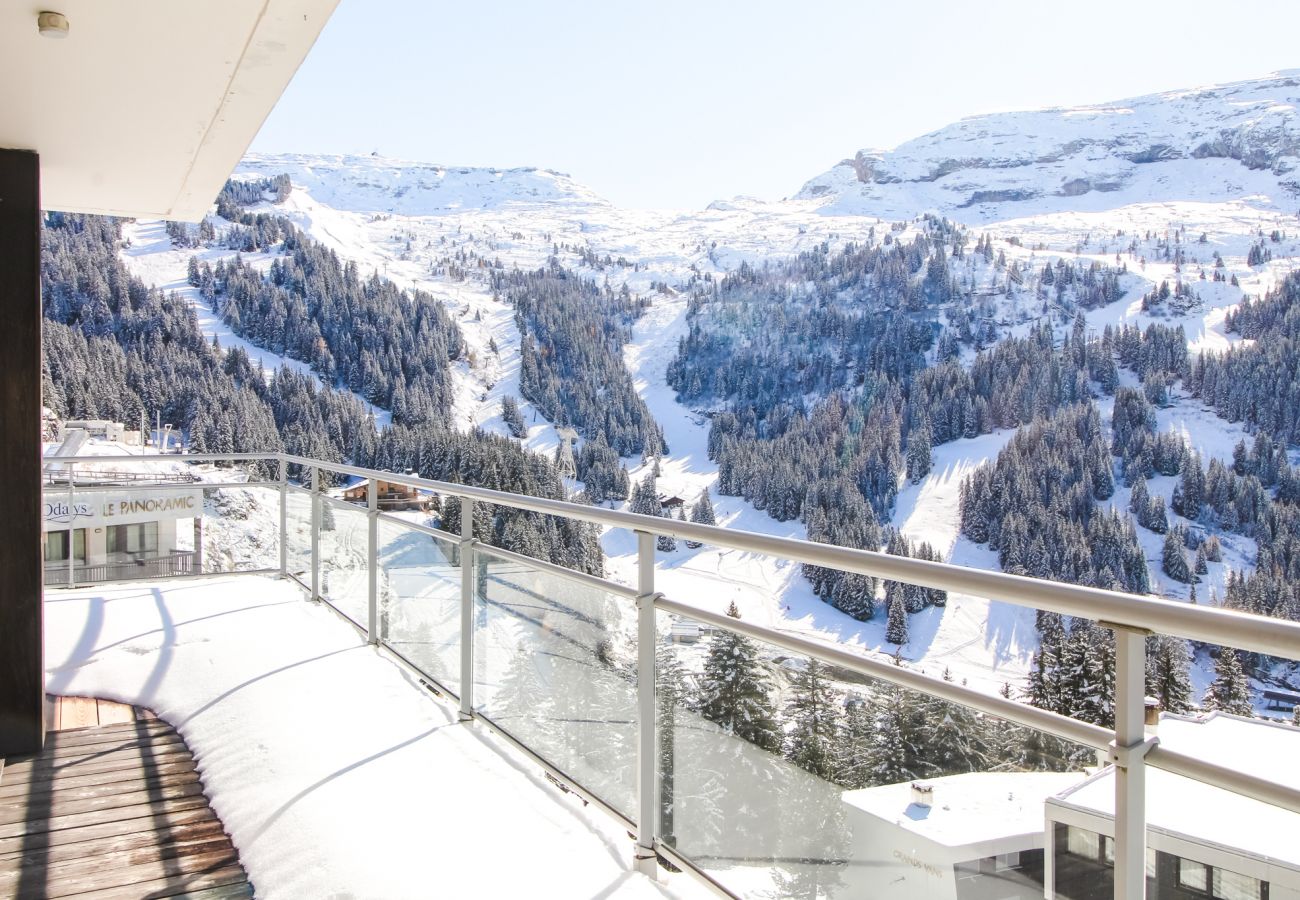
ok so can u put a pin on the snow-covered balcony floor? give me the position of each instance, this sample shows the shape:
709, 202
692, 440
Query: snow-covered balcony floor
336, 774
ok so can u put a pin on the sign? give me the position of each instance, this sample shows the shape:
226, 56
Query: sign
98, 508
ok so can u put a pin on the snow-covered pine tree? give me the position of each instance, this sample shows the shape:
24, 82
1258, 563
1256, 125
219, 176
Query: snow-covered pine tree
1088, 683
891, 754
1230, 691
854, 595
1168, 673
1173, 561
512, 417
918, 454
645, 498
735, 689
853, 743
813, 713
666, 542
670, 696
951, 737
896, 623
702, 513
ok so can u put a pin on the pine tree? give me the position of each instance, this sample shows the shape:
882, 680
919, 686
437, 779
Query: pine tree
951, 737
1173, 561
670, 696
896, 623
857, 735
853, 595
891, 756
918, 454
666, 542
735, 689
813, 714
512, 417
702, 513
645, 499
1230, 691
1168, 673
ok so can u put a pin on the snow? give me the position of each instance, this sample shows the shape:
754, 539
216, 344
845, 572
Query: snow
1166, 146
405, 220
972, 808
336, 774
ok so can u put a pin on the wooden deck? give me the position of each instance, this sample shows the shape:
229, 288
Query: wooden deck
111, 809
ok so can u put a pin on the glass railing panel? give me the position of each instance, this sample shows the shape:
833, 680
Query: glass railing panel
120, 528
419, 600
344, 559
783, 777
298, 534
240, 528
555, 668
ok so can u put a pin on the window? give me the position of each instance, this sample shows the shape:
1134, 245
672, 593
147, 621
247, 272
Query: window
1082, 842
1227, 885
133, 540
1194, 875
1219, 883
1004, 861
56, 545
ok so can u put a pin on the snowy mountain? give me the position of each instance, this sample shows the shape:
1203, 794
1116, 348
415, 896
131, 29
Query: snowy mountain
402, 187
1211, 144
1179, 187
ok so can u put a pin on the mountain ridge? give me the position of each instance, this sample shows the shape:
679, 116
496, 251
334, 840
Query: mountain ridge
1207, 143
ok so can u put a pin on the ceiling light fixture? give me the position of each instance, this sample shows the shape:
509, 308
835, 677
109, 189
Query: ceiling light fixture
52, 25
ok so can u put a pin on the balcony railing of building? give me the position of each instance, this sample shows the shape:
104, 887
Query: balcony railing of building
178, 562
563, 665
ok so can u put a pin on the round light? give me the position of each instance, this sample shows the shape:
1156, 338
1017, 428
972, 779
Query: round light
52, 25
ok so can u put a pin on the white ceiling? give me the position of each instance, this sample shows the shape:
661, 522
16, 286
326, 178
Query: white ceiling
146, 106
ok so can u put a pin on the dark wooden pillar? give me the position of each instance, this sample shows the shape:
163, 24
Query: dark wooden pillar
22, 642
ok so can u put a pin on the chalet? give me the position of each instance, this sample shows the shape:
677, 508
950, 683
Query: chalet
391, 495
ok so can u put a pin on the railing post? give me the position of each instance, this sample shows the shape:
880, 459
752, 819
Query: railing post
372, 556
1127, 755
466, 609
315, 533
284, 518
647, 798
72, 533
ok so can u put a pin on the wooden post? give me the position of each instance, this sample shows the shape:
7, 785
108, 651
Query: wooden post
22, 641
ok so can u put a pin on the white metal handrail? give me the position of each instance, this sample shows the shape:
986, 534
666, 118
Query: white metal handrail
1132, 617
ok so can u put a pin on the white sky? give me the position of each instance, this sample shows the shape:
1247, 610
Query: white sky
673, 103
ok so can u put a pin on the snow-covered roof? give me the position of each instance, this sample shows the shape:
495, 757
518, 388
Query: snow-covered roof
1201, 812
972, 808
1236, 742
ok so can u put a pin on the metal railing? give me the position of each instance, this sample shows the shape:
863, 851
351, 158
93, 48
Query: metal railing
1131, 617
176, 563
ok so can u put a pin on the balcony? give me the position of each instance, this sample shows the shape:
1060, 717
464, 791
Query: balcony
366, 693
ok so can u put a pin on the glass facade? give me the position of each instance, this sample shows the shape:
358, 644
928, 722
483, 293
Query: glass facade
1085, 870
126, 542
56, 545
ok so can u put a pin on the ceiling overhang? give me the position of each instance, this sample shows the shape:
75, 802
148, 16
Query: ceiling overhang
145, 107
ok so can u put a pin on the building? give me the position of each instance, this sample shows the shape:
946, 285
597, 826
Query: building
1025, 835
141, 529
391, 496
1203, 841
961, 837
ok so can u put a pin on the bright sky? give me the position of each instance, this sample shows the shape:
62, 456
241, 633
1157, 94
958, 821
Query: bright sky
676, 104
